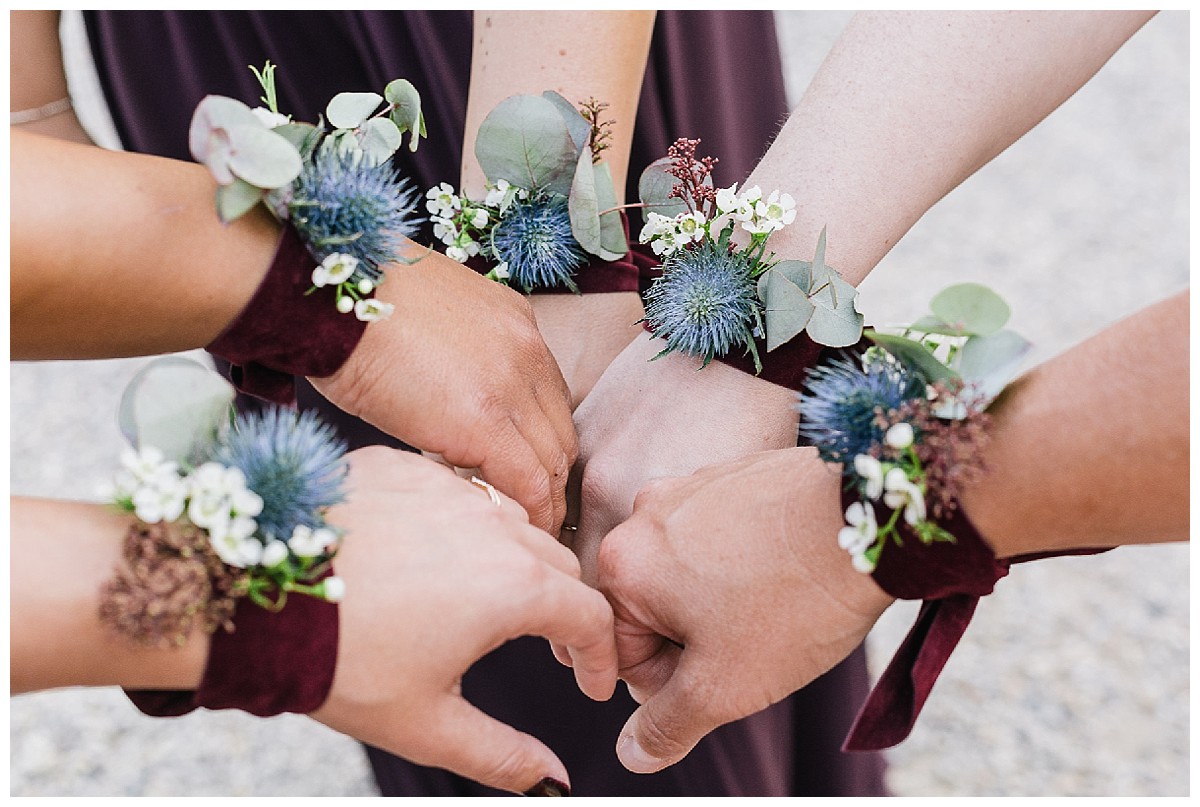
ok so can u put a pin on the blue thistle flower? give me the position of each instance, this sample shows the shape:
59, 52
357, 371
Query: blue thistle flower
705, 302
839, 406
534, 238
343, 203
292, 460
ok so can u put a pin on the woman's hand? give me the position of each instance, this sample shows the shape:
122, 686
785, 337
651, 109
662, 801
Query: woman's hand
436, 577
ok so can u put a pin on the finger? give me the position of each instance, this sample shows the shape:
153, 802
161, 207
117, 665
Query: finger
647, 676
569, 613
508, 505
541, 437
669, 724
558, 413
472, 744
546, 549
562, 654
512, 466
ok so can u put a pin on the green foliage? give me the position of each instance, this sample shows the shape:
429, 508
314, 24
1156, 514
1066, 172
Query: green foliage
525, 140
799, 296
970, 308
654, 188
577, 126
349, 110
406, 110
237, 198
175, 405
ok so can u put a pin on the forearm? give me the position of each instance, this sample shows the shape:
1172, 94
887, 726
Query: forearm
62, 552
129, 244
1091, 448
908, 105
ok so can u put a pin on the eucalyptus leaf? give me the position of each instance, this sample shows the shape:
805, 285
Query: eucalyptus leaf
303, 136
379, 138
216, 113
348, 110
786, 307
799, 272
577, 125
613, 240
914, 355
582, 205
406, 112
971, 306
654, 186
262, 157
175, 405
525, 141
991, 361
936, 325
236, 198
839, 326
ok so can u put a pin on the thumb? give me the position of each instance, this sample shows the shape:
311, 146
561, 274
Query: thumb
669, 724
472, 744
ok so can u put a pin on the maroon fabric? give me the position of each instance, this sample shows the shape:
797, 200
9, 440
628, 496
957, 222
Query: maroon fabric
282, 332
273, 662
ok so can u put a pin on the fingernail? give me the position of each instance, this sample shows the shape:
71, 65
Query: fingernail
549, 787
635, 758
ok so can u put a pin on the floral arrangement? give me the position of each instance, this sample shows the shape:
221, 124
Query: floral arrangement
337, 188
226, 506
907, 419
714, 296
549, 200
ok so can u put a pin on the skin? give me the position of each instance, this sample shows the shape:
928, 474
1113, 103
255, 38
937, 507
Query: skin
867, 151
739, 564
408, 628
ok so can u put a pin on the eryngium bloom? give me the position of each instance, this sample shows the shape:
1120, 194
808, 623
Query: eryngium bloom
343, 203
292, 460
841, 406
534, 238
705, 303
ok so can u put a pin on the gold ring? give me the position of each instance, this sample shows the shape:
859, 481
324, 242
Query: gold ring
491, 491
571, 527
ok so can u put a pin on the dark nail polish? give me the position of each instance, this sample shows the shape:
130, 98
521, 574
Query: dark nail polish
549, 787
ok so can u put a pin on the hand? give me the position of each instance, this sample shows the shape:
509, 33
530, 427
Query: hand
460, 369
648, 419
730, 593
436, 577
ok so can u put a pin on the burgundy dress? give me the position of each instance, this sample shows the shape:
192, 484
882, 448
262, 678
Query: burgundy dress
155, 67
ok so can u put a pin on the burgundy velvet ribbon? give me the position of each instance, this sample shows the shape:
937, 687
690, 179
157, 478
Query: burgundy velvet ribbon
273, 662
598, 276
282, 333
949, 578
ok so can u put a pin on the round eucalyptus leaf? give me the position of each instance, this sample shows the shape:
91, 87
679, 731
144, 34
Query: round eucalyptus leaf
176, 405
786, 307
577, 125
303, 136
406, 112
262, 157
525, 141
216, 113
972, 307
236, 198
613, 240
379, 138
840, 326
582, 205
348, 110
654, 187
991, 361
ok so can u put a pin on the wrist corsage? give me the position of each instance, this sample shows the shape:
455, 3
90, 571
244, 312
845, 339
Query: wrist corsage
550, 208
226, 507
713, 296
336, 187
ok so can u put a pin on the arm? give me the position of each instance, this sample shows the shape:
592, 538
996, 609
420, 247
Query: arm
36, 73
905, 107
129, 245
580, 55
408, 628
760, 623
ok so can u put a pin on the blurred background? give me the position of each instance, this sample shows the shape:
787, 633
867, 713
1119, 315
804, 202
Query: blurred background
1073, 678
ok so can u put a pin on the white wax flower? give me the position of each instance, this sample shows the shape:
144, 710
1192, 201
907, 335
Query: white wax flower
479, 218
372, 310
246, 503
366, 286
209, 510
862, 563
320, 277
727, 199
442, 200
690, 226
862, 528
274, 554
495, 195
501, 271
871, 470
147, 464
780, 209
900, 436
345, 304
903, 493
335, 588
339, 268
656, 224
161, 501
444, 230
457, 253
309, 543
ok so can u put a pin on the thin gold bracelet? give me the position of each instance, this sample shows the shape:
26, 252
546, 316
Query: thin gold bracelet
39, 113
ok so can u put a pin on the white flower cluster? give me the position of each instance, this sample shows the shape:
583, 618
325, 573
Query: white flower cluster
897, 490
755, 215
460, 223
339, 269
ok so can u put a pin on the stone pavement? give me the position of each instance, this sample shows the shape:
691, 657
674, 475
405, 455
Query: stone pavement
1074, 677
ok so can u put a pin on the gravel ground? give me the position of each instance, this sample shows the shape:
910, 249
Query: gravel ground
1073, 679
